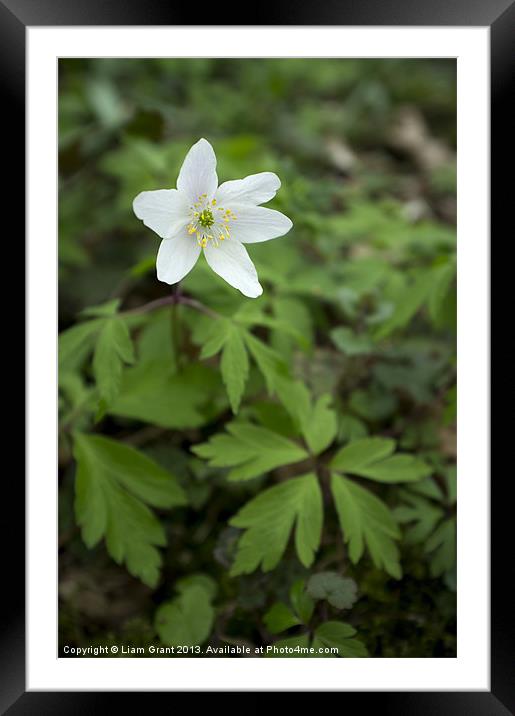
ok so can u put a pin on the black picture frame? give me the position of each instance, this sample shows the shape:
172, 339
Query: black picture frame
499, 16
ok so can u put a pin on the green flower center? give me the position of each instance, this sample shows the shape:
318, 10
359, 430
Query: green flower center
206, 218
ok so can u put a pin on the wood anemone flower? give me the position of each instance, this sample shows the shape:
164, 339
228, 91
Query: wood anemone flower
201, 216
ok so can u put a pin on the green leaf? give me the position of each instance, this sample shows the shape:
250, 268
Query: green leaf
442, 279
269, 519
351, 428
361, 453
216, 337
320, 430
408, 302
267, 360
340, 592
113, 482
398, 468
293, 313
250, 450
350, 343
441, 546
261, 319
280, 618
296, 399
301, 601
317, 423
371, 458
186, 620
235, 367
365, 520
374, 404
274, 417
203, 581
155, 341
424, 517
153, 393
105, 310
113, 349
75, 344
421, 516
340, 636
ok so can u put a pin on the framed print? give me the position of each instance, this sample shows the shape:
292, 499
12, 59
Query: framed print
257, 355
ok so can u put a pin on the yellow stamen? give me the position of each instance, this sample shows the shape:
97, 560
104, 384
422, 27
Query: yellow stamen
204, 219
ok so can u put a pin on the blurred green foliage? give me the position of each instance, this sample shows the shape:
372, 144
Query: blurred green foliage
309, 433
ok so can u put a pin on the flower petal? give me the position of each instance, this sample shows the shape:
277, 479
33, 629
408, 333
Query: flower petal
165, 211
176, 257
254, 189
198, 172
231, 261
255, 223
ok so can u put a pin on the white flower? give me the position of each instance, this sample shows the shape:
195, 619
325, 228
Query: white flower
200, 215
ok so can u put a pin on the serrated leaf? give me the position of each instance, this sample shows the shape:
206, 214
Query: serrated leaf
320, 431
317, 422
267, 360
153, 393
301, 601
361, 453
215, 340
186, 620
398, 468
250, 450
113, 482
421, 516
441, 546
425, 523
339, 591
340, 636
113, 349
75, 344
372, 458
269, 519
428, 488
235, 367
280, 618
296, 399
365, 520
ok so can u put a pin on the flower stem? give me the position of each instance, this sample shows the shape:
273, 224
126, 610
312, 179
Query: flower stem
197, 305
173, 299
175, 325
